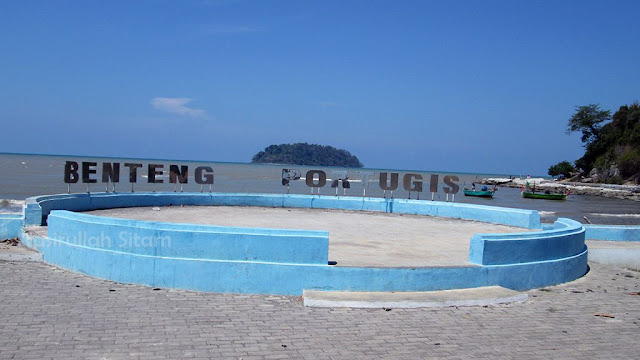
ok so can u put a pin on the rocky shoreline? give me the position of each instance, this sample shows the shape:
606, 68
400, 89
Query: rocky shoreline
628, 192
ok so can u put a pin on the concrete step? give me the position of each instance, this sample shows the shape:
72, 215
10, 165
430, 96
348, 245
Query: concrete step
481, 296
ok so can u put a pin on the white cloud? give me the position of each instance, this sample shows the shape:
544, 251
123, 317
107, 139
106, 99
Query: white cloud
176, 106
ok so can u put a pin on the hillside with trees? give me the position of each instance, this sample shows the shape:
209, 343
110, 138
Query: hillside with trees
306, 154
612, 145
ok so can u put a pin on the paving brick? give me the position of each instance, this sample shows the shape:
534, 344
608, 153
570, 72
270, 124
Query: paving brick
50, 312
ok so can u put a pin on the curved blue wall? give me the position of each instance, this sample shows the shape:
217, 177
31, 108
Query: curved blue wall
275, 261
38, 208
189, 241
565, 239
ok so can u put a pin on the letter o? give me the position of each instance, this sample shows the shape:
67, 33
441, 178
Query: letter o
322, 178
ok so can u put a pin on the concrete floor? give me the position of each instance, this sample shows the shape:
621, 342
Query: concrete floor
356, 238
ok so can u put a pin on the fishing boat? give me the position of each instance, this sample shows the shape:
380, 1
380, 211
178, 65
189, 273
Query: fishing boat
547, 195
479, 193
483, 192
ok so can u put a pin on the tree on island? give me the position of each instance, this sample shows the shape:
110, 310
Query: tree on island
306, 154
612, 143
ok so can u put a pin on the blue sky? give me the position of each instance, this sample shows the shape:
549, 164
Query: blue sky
469, 86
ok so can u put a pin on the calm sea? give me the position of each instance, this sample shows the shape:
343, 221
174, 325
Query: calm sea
22, 176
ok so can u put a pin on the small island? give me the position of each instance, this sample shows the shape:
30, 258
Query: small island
306, 154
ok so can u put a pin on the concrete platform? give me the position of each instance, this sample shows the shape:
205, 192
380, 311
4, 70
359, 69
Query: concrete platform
356, 238
617, 253
489, 295
18, 253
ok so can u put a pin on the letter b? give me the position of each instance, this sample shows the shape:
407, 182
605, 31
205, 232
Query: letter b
71, 172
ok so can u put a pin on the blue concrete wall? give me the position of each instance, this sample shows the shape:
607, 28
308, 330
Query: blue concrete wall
612, 232
565, 239
249, 260
292, 279
37, 209
189, 241
10, 226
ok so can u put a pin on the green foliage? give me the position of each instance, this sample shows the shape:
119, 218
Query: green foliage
629, 163
564, 167
306, 154
615, 180
588, 120
614, 143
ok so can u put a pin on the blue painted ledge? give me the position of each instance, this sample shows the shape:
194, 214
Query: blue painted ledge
565, 239
38, 208
10, 225
188, 241
612, 232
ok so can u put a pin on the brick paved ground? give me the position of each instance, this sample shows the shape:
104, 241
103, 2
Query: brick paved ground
51, 313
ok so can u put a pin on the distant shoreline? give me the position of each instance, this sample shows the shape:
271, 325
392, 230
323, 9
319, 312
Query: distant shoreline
627, 192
